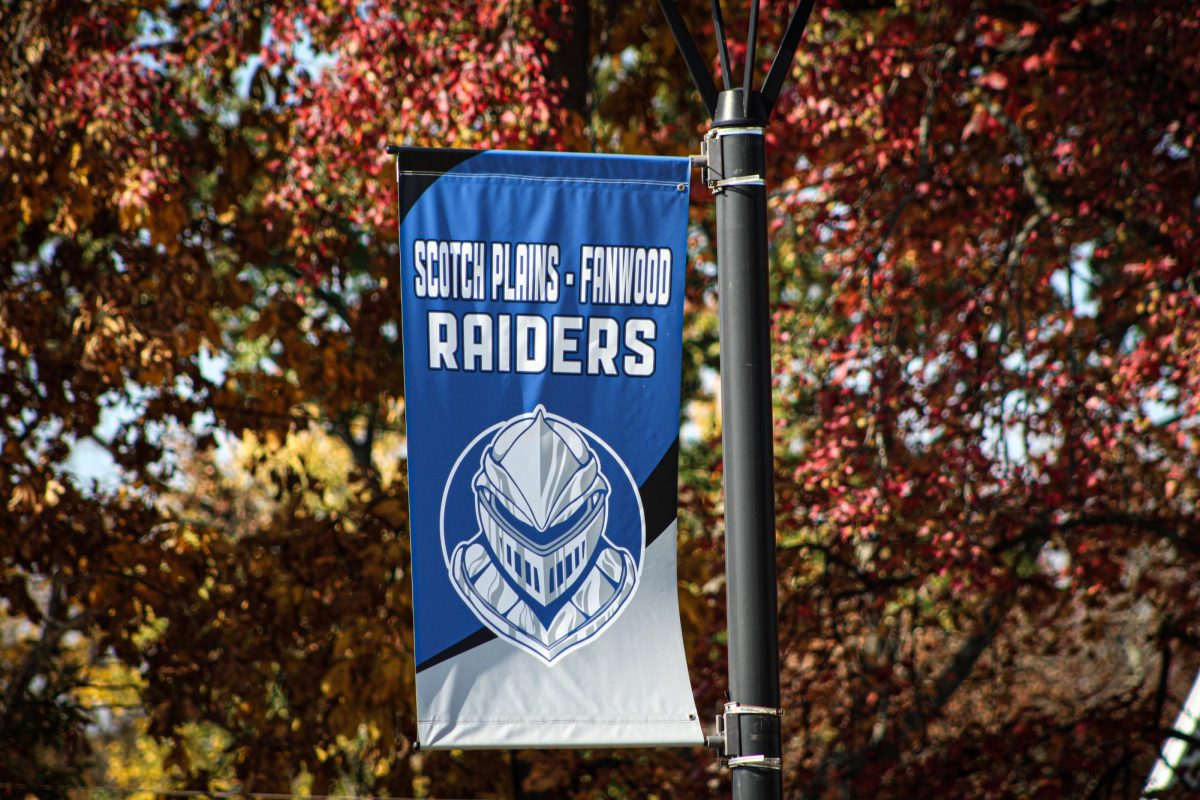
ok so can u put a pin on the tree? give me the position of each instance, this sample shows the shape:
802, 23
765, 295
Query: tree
996, 402
986, 345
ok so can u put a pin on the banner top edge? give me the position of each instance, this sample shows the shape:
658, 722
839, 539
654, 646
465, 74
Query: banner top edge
544, 178
443, 160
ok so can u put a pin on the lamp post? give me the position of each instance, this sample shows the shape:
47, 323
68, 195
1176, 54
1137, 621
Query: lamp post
733, 151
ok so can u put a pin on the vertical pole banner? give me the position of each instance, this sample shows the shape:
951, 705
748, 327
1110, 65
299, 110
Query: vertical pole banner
543, 316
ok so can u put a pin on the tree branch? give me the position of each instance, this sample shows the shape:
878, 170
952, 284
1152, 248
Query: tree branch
885, 745
54, 625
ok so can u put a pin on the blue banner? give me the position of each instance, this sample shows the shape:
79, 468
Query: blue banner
542, 316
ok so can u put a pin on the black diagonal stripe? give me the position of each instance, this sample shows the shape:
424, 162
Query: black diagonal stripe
429, 164
481, 636
660, 494
660, 503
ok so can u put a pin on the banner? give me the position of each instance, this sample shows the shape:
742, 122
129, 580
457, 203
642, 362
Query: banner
542, 306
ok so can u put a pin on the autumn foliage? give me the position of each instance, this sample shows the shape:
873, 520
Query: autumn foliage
986, 327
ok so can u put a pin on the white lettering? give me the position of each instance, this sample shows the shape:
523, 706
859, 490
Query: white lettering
531, 343
477, 342
603, 345
638, 333
564, 345
443, 340
615, 275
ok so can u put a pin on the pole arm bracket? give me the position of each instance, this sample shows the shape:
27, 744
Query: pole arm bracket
699, 69
785, 54
691, 55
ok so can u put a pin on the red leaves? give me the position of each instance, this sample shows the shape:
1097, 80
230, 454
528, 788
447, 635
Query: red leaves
994, 80
449, 76
1004, 336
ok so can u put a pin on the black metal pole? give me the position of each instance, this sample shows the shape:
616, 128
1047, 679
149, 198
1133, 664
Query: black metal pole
736, 162
734, 158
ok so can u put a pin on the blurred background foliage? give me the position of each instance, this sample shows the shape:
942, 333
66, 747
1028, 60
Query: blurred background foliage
986, 324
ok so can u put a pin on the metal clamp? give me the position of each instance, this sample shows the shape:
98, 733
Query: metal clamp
741, 180
713, 165
762, 728
739, 708
762, 762
735, 130
713, 162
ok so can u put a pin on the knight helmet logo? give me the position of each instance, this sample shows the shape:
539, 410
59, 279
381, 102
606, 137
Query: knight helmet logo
541, 571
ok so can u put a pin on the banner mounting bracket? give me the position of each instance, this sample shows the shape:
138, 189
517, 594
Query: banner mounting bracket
743, 729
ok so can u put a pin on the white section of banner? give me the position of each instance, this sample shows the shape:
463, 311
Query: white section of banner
499, 696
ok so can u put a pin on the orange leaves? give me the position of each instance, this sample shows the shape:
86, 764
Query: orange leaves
393, 511
166, 221
143, 205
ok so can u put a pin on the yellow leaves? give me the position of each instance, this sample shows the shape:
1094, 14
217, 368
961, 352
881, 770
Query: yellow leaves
112, 344
320, 464
31, 497
23, 496
12, 339
53, 491
128, 755
131, 217
34, 50
139, 760
77, 210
